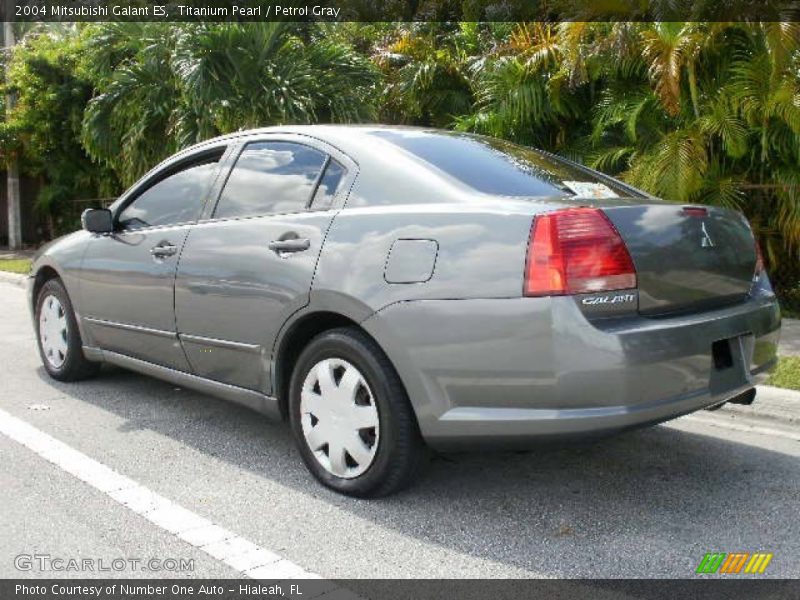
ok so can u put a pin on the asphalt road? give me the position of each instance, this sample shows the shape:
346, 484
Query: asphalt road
644, 504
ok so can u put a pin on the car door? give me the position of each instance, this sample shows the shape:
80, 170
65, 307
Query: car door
248, 266
128, 277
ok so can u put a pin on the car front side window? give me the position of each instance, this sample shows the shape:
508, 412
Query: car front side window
270, 178
176, 198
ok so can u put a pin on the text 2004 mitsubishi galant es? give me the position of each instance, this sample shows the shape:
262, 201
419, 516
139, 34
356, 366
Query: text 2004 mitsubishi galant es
386, 288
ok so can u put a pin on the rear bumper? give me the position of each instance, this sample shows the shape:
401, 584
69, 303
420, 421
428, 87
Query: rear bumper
512, 371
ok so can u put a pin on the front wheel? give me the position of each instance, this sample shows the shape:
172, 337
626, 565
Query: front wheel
58, 337
350, 416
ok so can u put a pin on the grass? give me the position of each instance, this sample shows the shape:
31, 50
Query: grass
787, 375
15, 265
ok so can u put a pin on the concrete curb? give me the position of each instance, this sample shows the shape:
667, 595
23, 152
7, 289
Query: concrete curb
790, 338
13, 278
772, 405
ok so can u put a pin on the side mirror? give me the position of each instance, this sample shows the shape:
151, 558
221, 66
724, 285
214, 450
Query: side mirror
97, 220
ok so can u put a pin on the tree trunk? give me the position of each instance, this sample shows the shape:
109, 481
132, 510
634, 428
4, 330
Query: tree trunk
12, 168
693, 89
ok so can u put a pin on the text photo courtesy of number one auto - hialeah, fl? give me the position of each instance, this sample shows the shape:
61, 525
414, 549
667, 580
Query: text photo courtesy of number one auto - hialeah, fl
400, 300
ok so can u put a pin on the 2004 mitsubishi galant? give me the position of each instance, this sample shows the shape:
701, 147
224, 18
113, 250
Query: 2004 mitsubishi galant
384, 288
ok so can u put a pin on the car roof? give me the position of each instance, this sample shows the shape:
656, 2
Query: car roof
393, 173
352, 139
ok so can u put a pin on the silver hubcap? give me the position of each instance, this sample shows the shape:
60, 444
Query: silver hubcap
339, 418
53, 331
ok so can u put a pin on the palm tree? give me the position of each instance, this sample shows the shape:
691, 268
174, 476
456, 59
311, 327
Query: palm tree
671, 48
168, 86
527, 88
130, 122
764, 91
427, 76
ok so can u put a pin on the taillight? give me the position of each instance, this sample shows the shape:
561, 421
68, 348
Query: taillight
576, 251
759, 262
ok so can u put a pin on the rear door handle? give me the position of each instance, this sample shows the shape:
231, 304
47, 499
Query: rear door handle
290, 245
163, 249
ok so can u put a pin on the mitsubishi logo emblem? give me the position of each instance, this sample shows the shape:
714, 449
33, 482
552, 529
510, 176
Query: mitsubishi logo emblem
705, 241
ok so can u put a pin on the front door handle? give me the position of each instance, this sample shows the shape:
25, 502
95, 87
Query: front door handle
163, 249
290, 245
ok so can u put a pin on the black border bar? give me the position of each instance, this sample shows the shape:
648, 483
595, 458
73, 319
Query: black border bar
402, 10
403, 589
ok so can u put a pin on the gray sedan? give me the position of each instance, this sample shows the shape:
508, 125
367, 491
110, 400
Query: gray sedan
387, 289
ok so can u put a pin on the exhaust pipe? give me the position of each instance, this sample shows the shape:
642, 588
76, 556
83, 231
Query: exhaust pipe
746, 397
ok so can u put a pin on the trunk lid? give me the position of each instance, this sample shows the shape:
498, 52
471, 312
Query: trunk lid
686, 258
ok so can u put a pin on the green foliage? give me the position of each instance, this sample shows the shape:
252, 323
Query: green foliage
43, 129
425, 71
15, 265
787, 374
128, 125
161, 87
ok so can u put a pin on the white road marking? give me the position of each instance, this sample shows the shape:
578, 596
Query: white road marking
243, 556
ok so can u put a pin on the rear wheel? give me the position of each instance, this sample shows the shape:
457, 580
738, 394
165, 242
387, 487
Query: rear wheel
350, 416
57, 334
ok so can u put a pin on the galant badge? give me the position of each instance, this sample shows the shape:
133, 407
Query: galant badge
705, 241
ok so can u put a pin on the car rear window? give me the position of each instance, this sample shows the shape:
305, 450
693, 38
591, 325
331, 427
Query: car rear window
497, 167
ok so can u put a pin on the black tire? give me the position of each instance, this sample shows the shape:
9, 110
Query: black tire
400, 446
75, 365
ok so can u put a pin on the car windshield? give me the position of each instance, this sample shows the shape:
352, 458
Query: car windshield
497, 167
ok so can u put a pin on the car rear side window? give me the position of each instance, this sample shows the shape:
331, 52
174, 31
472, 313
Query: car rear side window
328, 185
176, 198
493, 166
270, 178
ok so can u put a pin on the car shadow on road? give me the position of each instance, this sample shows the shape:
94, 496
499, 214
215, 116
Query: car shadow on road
628, 499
